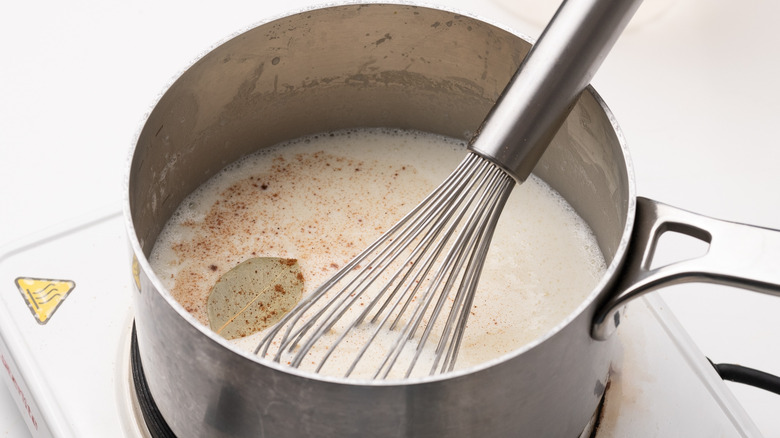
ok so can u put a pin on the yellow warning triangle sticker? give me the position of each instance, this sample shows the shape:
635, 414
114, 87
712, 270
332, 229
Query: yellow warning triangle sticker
44, 296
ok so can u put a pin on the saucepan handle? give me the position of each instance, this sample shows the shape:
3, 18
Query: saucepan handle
739, 255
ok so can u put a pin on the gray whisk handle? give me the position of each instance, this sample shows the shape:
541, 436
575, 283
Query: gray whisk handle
549, 81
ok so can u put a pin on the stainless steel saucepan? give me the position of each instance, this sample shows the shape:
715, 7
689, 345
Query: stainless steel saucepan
397, 65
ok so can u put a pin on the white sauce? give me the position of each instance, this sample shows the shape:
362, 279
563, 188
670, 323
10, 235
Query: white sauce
324, 198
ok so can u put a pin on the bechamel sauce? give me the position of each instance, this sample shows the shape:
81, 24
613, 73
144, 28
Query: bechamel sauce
324, 198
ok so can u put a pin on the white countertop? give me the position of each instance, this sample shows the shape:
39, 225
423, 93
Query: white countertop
694, 88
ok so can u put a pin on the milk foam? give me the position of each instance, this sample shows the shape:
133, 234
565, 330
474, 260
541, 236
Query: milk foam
322, 199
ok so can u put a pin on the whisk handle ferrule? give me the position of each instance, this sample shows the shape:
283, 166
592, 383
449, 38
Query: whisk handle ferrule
549, 81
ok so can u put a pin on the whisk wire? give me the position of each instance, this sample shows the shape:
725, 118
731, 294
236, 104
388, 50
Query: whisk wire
467, 194
316, 295
464, 245
355, 289
408, 291
444, 207
417, 281
471, 277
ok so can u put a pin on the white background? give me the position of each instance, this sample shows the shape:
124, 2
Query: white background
694, 84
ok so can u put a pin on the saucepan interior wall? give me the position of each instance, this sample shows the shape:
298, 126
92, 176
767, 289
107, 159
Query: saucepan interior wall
414, 68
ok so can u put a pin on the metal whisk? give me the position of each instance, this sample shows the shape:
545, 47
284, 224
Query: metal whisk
416, 284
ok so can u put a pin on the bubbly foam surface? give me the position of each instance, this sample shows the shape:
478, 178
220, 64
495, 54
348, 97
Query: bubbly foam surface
322, 199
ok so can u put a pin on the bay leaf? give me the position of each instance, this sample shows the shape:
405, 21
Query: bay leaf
254, 295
